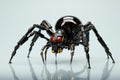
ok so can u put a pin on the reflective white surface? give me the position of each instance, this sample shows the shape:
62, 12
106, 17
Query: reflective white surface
17, 16
33, 69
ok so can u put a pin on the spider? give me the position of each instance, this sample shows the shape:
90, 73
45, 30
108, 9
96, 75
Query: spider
69, 33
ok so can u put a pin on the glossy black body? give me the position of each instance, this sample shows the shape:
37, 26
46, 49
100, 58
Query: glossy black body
69, 33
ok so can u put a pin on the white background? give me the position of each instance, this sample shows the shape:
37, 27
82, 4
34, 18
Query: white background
16, 16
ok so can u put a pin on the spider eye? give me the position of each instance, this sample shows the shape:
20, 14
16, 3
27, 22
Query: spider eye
59, 39
52, 39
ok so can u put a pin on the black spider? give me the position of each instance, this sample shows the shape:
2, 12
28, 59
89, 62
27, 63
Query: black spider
70, 32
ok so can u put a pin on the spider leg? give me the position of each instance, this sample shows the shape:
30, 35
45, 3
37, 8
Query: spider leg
43, 26
86, 48
32, 43
101, 41
23, 40
46, 26
86, 45
44, 52
37, 34
56, 58
42, 36
72, 53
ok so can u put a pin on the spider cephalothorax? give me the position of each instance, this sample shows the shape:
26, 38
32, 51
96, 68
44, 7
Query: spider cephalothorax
69, 33
57, 41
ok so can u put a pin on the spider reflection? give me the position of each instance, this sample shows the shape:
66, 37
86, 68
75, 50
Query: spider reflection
61, 74
65, 75
106, 71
